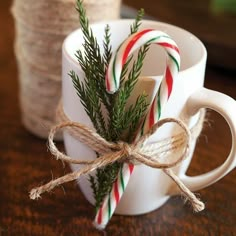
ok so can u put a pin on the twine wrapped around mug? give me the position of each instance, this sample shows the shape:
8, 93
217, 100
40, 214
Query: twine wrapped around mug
41, 27
137, 153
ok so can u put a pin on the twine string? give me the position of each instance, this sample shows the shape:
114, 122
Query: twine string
40, 28
110, 152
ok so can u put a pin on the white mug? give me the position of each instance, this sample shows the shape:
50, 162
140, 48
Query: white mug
150, 188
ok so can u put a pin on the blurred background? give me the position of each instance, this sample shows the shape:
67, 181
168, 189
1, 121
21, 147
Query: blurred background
213, 21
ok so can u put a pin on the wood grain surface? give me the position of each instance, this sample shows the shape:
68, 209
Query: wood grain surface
25, 163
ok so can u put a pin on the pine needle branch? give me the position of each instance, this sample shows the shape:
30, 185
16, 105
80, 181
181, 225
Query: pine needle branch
122, 121
105, 177
107, 45
90, 103
93, 54
118, 113
133, 29
135, 26
135, 115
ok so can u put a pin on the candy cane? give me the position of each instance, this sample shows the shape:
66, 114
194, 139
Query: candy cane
116, 64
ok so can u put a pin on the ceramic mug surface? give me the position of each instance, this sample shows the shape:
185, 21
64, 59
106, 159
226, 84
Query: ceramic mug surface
149, 188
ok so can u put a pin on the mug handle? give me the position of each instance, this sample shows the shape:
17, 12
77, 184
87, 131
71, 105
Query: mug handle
226, 106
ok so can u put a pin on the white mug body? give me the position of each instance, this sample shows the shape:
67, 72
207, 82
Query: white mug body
148, 188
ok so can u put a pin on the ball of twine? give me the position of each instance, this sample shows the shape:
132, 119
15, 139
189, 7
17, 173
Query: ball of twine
41, 26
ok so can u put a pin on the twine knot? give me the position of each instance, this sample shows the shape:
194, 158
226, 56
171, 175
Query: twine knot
126, 149
110, 152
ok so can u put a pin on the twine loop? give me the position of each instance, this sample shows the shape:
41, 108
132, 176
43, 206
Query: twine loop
110, 152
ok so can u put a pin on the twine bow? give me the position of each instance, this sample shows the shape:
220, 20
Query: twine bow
110, 152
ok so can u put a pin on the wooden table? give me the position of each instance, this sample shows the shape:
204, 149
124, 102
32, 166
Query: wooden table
25, 162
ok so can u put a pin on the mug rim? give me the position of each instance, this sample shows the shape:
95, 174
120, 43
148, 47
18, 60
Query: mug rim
202, 57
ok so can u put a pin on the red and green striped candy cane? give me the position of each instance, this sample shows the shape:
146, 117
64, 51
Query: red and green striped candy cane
131, 44
115, 66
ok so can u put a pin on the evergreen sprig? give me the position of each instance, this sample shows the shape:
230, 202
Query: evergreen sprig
91, 103
107, 45
93, 54
135, 26
121, 121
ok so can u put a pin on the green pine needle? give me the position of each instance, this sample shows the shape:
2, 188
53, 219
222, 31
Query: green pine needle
135, 26
107, 45
122, 121
118, 122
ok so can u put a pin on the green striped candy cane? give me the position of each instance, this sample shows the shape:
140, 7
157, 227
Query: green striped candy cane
115, 66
